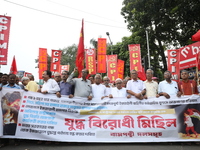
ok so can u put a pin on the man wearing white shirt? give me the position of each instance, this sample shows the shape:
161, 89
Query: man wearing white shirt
106, 82
168, 87
119, 91
98, 89
136, 87
50, 85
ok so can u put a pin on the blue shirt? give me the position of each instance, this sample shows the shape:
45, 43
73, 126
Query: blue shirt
65, 88
15, 86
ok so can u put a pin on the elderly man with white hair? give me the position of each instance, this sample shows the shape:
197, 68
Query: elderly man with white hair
29, 85
106, 82
57, 77
119, 91
98, 89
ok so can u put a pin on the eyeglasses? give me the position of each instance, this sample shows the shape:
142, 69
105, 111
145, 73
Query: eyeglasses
119, 83
133, 73
64, 74
57, 76
84, 71
105, 80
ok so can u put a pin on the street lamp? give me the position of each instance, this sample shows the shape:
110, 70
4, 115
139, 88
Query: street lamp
148, 49
107, 33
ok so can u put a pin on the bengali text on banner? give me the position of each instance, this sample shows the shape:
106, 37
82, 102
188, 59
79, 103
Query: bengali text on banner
31, 115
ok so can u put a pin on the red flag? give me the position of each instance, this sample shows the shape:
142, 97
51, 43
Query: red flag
13, 68
80, 52
141, 74
198, 61
196, 36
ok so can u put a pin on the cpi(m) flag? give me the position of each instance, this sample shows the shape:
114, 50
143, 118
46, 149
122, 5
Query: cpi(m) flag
13, 68
80, 52
196, 36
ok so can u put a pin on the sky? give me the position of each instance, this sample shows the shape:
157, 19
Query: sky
59, 27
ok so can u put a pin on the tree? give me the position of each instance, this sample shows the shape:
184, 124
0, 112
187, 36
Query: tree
170, 24
69, 56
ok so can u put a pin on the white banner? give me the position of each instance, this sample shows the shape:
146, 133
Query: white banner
29, 115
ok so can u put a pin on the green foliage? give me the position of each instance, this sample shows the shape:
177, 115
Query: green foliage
69, 56
170, 25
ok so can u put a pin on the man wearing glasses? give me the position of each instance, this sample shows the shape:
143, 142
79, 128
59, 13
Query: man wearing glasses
106, 82
82, 85
57, 77
136, 87
98, 89
168, 87
50, 85
119, 91
151, 86
65, 87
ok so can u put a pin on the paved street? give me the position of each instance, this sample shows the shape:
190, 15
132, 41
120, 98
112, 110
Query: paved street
31, 145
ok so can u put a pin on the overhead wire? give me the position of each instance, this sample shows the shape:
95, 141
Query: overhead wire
61, 15
82, 11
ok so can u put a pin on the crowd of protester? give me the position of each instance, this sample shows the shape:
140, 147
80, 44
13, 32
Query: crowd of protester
98, 87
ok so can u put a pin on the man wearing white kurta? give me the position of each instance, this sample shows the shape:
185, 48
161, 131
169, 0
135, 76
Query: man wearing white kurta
119, 91
50, 85
106, 82
98, 89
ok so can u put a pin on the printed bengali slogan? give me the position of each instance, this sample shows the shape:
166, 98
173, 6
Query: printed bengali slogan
30, 115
